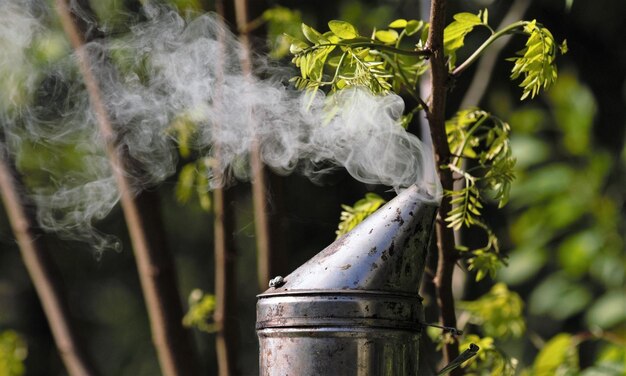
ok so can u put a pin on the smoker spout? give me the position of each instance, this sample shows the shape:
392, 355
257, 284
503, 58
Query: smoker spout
354, 308
386, 252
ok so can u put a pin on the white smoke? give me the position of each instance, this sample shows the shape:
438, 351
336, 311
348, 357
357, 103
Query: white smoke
169, 67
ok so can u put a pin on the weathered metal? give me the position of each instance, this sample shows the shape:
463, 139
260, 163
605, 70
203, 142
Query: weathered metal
354, 308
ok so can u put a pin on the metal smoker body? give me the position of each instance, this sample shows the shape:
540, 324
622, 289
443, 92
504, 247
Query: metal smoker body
354, 308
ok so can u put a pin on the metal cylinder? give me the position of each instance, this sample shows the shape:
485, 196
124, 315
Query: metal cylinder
354, 308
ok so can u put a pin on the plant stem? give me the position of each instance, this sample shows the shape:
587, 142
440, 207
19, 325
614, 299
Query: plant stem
500, 33
42, 270
226, 339
154, 263
447, 255
269, 254
480, 81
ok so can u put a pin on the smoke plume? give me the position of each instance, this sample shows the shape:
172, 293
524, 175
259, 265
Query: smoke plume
168, 68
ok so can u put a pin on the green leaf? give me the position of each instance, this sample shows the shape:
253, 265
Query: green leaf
398, 24
608, 311
311, 34
343, 29
535, 64
185, 183
413, 27
454, 34
557, 356
200, 314
13, 353
559, 297
387, 36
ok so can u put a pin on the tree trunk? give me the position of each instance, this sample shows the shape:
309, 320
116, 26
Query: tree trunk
154, 262
42, 270
447, 255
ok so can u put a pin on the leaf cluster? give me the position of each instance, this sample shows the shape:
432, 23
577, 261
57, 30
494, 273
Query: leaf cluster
536, 63
193, 176
353, 215
341, 57
200, 314
13, 353
499, 312
482, 159
489, 361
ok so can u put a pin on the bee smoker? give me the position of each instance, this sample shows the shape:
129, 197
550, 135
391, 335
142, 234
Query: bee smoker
354, 308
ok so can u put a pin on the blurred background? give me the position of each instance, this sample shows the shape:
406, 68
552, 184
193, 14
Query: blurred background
563, 230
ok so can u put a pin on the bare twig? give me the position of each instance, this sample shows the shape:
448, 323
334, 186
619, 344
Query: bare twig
42, 270
154, 263
447, 256
224, 252
267, 249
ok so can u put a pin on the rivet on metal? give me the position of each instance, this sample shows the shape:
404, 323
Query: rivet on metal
277, 281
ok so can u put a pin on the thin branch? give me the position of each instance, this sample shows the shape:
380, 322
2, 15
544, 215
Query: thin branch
224, 249
447, 255
495, 36
154, 262
42, 271
484, 69
268, 250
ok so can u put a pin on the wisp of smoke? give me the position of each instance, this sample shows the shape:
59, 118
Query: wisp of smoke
166, 68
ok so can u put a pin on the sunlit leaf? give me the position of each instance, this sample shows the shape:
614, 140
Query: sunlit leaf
454, 34
557, 356
343, 29
387, 36
398, 24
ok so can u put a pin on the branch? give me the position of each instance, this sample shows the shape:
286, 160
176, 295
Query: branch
436, 118
500, 33
481, 78
269, 252
224, 248
154, 262
42, 271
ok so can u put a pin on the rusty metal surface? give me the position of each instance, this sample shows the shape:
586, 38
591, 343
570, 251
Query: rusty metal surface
354, 308
338, 351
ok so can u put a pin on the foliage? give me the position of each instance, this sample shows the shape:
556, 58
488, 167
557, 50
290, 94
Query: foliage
489, 360
454, 33
341, 57
13, 352
353, 215
535, 63
479, 141
281, 22
383, 62
193, 176
565, 213
499, 313
200, 313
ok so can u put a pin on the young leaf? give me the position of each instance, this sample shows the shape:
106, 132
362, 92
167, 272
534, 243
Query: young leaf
536, 63
398, 24
343, 29
454, 34
387, 36
311, 34
413, 27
